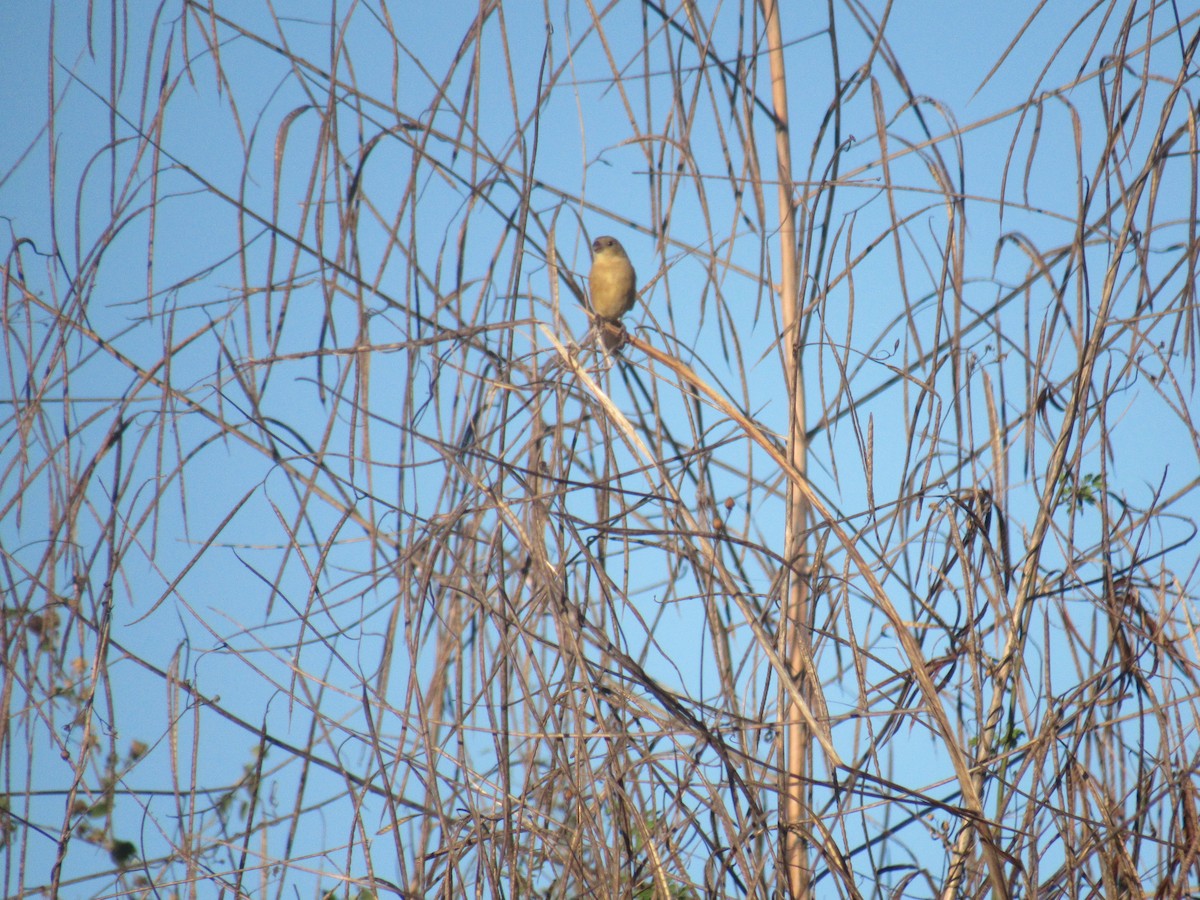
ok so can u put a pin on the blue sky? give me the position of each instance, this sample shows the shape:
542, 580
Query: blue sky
253, 140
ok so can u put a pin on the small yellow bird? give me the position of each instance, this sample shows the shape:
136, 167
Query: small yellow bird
613, 286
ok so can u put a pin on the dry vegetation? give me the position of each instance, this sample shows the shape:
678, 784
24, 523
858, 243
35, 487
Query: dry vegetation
338, 561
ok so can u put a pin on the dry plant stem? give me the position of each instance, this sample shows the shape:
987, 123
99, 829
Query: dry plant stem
302, 522
972, 798
817, 720
797, 613
1073, 415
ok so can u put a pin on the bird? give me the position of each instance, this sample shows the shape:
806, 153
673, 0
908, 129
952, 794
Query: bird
612, 284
